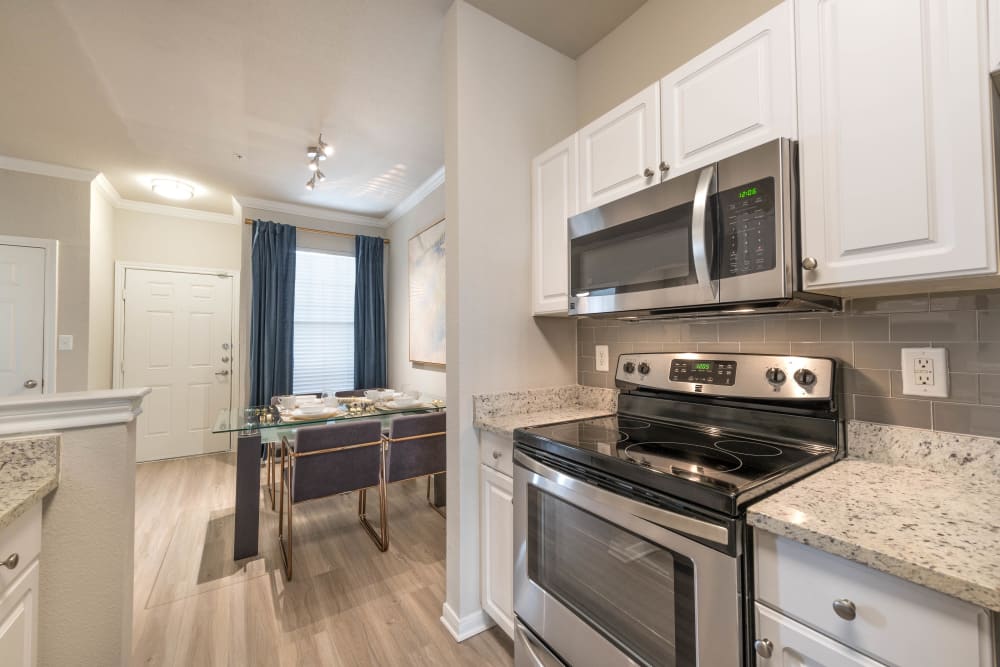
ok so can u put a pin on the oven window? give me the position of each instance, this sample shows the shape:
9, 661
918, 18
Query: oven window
636, 593
649, 253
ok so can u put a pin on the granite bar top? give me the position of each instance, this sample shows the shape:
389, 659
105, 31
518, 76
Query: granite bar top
503, 412
29, 471
931, 521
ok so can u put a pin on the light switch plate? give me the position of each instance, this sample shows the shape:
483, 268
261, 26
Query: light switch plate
601, 352
925, 371
65, 342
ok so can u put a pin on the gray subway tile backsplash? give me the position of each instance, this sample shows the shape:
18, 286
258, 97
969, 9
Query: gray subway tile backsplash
867, 338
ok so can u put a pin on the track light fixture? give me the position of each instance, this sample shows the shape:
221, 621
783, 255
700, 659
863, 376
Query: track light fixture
317, 153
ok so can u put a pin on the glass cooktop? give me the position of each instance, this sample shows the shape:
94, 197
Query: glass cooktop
721, 461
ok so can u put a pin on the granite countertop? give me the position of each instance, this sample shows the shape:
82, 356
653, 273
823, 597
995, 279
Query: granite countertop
501, 413
29, 471
936, 528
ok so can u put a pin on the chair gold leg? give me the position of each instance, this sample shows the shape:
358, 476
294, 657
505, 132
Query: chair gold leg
380, 537
286, 558
270, 473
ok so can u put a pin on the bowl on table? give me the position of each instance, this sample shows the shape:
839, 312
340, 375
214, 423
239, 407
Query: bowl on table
402, 402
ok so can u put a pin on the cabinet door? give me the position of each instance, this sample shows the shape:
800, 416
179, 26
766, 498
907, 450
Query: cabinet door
553, 200
894, 141
791, 644
736, 95
19, 620
498, 547
994, 28
620, 151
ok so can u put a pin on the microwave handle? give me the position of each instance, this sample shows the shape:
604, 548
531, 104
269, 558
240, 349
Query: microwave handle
700, 241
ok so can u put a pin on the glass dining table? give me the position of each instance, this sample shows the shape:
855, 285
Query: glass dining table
257, 425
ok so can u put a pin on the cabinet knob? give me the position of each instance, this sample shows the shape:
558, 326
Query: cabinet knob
763, 647
809, 263
845, 609
648, 173
11, 562
497, 453
664, 167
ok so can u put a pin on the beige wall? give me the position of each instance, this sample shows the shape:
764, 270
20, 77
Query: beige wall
44, 207
102, 282
655, 40
160, 239
403, 372
508, 97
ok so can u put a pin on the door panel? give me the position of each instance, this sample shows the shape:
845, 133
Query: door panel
795, 645
498, 547
22, 319
554, 200
736, 95
895, 160
618, 148
176, 325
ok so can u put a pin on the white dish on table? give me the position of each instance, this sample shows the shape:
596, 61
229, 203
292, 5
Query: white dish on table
403, 403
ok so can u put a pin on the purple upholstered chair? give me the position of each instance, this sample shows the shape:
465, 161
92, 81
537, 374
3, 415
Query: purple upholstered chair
352, 393
415, 447
328, 460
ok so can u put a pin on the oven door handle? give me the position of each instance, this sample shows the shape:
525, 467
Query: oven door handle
687, 525
701, 241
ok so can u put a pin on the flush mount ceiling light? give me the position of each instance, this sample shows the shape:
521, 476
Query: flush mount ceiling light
171, 188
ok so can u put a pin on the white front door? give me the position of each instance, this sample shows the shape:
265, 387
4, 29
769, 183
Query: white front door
22, 320
178, 341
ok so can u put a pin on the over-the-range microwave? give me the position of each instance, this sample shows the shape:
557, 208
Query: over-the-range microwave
720, 240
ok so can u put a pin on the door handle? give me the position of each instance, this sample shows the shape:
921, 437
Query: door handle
699, 221
30, 384
222, 372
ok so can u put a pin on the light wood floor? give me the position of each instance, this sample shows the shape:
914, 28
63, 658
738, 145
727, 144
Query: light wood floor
348, 604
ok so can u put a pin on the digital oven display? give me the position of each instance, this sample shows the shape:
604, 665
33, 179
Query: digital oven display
710, 371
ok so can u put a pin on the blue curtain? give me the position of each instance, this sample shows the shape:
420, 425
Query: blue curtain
369, 314
272, 311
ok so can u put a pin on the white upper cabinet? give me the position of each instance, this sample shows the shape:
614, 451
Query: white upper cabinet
894, 141
736, 95
553, 201
620, 151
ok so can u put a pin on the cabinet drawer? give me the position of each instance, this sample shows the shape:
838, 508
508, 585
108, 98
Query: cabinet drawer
497, 452
24, 538
790, 644
895, 621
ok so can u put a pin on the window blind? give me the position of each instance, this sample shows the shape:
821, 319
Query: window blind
323, 352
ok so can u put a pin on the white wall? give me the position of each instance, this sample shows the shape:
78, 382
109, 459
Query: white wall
508, 97
660, 36
45, 207
403, 372
161, 239
102, 286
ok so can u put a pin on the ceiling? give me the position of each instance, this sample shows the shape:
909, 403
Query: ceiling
180, 88
568, 26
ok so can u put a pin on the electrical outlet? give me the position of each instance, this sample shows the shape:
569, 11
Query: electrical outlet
924, 371
601, 352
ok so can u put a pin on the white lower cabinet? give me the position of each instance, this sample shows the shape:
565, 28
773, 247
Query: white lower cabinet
497, 547
20, 545
843, 610
782, 642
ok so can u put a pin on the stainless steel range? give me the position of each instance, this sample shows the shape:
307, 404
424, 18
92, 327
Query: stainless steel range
629, 531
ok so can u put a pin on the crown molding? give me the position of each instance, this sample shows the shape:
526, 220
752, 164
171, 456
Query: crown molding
46, 169
310, 211
415, 197
79, 409
177, 211
102, 183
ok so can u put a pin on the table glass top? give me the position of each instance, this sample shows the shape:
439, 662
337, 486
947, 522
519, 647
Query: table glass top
231, 420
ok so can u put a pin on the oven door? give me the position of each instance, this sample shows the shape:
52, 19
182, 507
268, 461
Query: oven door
651, 250
602, 579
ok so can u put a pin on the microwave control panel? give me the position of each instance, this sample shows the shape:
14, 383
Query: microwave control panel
748, 228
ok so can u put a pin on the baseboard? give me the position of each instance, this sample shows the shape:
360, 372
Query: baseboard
467, 626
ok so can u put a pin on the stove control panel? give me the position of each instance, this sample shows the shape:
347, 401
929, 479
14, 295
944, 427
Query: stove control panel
762, 376
705, 371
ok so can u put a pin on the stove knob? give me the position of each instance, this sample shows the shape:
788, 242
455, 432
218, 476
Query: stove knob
643, 368
775, 375
629, 367
805, 377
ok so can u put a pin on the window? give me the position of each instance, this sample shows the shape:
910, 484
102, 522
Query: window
324, 322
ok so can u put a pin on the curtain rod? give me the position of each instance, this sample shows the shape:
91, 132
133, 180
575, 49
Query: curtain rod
249, 221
